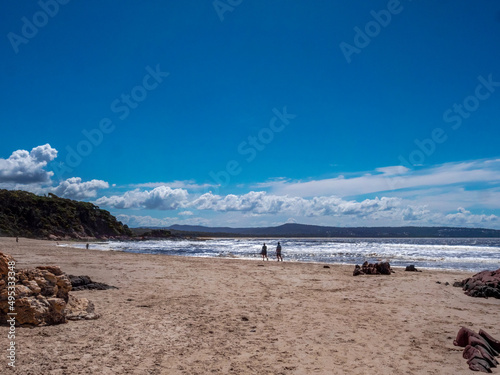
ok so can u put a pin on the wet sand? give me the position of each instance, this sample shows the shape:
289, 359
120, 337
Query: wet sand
179, 315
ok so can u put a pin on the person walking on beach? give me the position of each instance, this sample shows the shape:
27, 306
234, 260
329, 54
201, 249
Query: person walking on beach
278, 252
264, 252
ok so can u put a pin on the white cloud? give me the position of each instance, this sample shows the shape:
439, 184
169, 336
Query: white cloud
393, 179
260, 207
411, 213
261, 203
74, 188
465, 218
189, 184
391, 171
136, 221
24, 167
445, 199
160, 198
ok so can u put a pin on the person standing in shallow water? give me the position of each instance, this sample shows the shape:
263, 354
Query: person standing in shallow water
264, 252
278, 252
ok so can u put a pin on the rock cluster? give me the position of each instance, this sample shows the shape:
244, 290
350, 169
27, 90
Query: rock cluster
382, 268
85, 283
483, 284
480, 349
41, 296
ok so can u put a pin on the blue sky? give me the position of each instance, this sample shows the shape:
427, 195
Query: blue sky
252, 113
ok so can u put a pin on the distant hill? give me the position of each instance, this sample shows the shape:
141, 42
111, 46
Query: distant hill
28, 215
302, 230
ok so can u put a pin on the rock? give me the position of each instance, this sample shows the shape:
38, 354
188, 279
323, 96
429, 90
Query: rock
326, 266
80, 308
495, 344
357, 270
382, 268
42, 296
56, 270
483, 284
411, 268
85, 283
480, 349
4, 264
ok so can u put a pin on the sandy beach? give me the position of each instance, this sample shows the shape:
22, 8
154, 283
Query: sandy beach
180, 315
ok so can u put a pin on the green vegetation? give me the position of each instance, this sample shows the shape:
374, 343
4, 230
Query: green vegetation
29, 215
158, 233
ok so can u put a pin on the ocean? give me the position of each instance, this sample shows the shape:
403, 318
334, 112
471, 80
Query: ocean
465, 254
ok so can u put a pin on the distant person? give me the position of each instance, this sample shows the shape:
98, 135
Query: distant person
87, 246
17, 239
278, 252
263, 252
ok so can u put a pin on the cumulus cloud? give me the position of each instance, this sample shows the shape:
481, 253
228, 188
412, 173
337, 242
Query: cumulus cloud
160, 198
262, 203
411, 213
136, 221
24, 167
464, 217
74, 188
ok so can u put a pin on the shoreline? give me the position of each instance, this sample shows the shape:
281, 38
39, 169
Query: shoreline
253, 258
191, 315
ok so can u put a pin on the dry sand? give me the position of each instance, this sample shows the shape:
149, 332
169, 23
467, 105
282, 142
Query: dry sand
178, 315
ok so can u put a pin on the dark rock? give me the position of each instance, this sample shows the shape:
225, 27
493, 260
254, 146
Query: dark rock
480, 349
411, 268
326, 266
382, 268
357, 270
85, 283
483, 284
495, 344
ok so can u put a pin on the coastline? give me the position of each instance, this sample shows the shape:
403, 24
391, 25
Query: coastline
454, 254
193, 315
